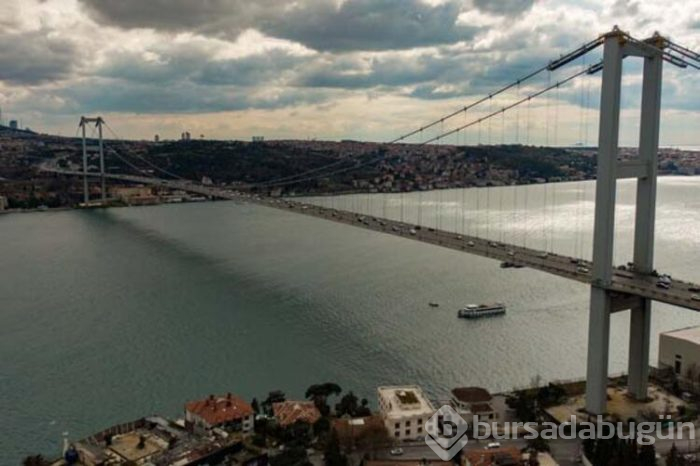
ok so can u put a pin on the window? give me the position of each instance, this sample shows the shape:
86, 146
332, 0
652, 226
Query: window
397, 425
678, 365
408, 423
420, 430
397, 434
408, 432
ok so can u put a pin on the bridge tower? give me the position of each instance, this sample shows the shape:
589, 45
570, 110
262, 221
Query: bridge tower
603, 302
98, 123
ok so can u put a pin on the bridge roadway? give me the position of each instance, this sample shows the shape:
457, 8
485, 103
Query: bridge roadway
625, 282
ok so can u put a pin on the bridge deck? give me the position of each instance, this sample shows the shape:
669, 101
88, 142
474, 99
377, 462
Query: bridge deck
625, 282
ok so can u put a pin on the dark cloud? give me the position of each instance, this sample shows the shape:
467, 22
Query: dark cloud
504, 7
190, 63
106, 95
372, 25
35, 57
318, 24
223, 17
250, 70
391, 70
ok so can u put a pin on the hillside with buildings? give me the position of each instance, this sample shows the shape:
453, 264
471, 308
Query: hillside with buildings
289, 167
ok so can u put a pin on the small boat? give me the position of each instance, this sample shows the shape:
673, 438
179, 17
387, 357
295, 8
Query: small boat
474, 311
432, 304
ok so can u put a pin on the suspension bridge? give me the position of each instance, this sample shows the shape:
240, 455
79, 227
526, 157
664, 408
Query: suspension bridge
613, 288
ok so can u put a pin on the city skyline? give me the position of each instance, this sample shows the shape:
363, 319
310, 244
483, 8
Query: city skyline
321, 69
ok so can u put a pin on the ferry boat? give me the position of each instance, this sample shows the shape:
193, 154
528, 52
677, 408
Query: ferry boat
474, 311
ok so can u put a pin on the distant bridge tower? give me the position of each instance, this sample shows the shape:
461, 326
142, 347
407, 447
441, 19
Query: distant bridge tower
644, 169
98, 123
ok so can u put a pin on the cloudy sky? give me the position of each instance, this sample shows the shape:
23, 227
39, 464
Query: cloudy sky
328, 69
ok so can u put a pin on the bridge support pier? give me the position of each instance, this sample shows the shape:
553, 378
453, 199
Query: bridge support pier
638, 364
645, 216
644, 170
604, 227
86, 193
598, 346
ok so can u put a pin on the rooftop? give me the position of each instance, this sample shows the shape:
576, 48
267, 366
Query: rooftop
690, 334
127, 446
471, 395
289, 412
219, 410
402, 400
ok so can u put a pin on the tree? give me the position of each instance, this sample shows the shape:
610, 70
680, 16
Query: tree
348, 405
297, 434
550, 395
319, 394
363, 410
275, 396
525, 406
332, 455
647, 455
538, 444
321, 426
256, 407
323, 390
35, 460
295, 455
674, 457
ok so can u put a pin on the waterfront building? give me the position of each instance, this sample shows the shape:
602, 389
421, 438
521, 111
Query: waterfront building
404, 409
134, 195
365, 432
290, 412
473, 402
229, 413
157, 440
679, 351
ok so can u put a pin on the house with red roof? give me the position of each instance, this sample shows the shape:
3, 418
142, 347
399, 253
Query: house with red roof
228, 412
290, 412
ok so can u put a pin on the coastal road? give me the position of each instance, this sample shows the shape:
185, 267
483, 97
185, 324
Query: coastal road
566, 452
